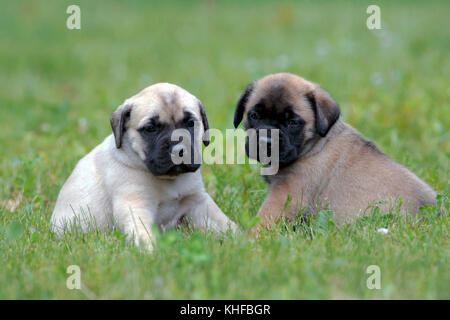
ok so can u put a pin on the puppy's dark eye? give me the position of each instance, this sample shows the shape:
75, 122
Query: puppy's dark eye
151, 128
293, 123
190, 123
254, 115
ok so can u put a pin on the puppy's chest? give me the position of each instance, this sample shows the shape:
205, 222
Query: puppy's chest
171, 208
173, 199
169, 212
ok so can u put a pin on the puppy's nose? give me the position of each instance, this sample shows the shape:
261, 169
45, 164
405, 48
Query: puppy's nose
178, 150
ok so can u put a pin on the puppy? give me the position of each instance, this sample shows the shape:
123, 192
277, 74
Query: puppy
323, 161
130, 179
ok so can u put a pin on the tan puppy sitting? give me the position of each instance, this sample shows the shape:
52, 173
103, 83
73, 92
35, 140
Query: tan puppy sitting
130, 180
323, 161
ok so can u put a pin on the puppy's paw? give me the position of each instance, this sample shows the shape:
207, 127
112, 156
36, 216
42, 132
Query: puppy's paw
235, 228
146, 246
144, 243
254, 232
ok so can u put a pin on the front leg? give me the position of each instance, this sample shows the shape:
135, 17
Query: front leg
269, 212
274, 206
206, 215
136, 221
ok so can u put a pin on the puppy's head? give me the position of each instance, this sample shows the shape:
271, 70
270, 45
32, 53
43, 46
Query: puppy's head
300, 109
146, 122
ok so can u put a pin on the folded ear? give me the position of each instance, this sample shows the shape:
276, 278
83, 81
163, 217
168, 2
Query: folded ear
240, 107
118, 120
205, 123
326, 110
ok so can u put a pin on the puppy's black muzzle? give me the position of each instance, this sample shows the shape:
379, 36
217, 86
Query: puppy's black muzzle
182, 168
160, 163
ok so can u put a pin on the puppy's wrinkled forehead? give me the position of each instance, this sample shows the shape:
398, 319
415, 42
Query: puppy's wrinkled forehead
167, 101
280, 90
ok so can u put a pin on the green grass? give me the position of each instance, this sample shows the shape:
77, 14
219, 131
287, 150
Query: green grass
58, 88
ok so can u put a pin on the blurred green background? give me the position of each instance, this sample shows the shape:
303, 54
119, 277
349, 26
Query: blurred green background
58, 88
